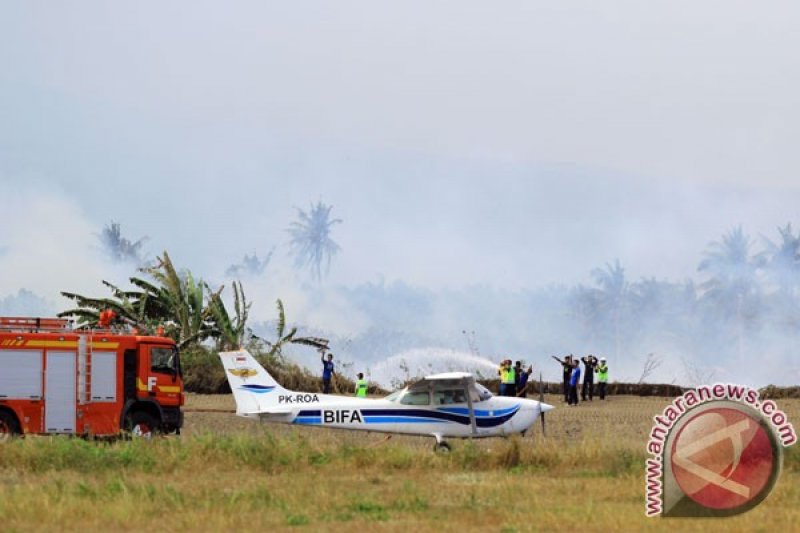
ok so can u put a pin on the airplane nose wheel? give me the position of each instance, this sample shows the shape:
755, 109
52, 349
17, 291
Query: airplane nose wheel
441, 447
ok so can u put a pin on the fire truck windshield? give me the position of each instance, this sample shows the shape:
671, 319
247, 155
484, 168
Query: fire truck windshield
164, 360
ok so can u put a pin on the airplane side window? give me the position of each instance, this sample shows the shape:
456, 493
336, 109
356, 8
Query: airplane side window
446, 397
416, 398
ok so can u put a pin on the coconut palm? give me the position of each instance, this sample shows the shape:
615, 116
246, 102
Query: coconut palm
311, 243
782, 261
732, 288
119, 248
251, 266
611, 296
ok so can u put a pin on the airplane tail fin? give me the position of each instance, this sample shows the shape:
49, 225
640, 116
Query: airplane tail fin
254, 390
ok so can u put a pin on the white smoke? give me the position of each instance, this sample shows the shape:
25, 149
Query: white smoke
419, 362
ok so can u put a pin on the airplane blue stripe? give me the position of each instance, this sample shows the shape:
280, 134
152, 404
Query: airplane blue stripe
257, 389
438, 415
308, 420
478, 412
400, 419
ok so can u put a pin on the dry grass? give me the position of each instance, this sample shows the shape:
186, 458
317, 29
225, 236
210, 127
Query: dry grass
229, 473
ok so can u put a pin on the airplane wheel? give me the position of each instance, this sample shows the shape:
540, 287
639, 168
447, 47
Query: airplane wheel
442, 448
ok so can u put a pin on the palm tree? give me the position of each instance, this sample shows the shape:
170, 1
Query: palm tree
732, 287
119, 248
782, 261
311, 242
611, 296
251, 265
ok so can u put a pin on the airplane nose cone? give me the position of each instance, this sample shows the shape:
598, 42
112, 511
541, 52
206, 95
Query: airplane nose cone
545, 407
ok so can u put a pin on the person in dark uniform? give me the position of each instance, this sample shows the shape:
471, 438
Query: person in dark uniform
327, 372
574, 379
589, 364
566, 367
523, 378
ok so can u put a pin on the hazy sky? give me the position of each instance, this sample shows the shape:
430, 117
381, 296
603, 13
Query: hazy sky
506, 143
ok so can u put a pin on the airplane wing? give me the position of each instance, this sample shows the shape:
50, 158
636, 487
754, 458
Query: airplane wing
448, 379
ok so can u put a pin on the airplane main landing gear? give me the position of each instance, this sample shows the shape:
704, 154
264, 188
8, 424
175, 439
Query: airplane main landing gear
441, 446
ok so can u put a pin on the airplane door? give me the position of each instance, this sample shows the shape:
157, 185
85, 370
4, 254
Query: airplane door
60, 394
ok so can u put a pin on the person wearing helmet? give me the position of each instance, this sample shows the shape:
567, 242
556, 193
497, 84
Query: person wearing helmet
602, 378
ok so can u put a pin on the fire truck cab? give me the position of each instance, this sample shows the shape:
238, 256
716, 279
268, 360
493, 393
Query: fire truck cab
58, 380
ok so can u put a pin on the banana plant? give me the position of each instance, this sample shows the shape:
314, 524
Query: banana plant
283, 338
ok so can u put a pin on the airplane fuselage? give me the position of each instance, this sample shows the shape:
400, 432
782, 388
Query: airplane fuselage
496, 416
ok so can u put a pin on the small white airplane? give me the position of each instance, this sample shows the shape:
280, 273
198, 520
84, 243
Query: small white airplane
440, 406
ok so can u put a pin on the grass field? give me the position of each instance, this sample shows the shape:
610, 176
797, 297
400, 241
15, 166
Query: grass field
229, 473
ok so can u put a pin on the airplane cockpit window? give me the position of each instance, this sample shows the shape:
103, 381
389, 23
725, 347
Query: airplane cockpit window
395, 395
479, 393
416, 398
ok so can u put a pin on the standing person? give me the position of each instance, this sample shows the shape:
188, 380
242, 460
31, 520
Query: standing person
511, 379
602, 378
522, 384
589, 364
501, 373
327, 372
573, 383
566, 367
506, 372
361, 386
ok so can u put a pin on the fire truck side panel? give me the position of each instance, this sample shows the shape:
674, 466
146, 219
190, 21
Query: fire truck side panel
21, 385
21, 375
61, 375
101, 402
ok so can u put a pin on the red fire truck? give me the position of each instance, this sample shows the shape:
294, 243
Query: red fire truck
55, 379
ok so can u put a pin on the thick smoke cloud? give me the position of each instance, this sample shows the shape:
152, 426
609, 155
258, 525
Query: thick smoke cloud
485, 160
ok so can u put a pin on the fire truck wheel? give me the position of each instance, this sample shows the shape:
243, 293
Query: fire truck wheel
8, 426
142, 425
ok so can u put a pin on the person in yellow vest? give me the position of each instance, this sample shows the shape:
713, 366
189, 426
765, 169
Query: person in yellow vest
507, 378
501, 372
602, 377
511, 380
361, 386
